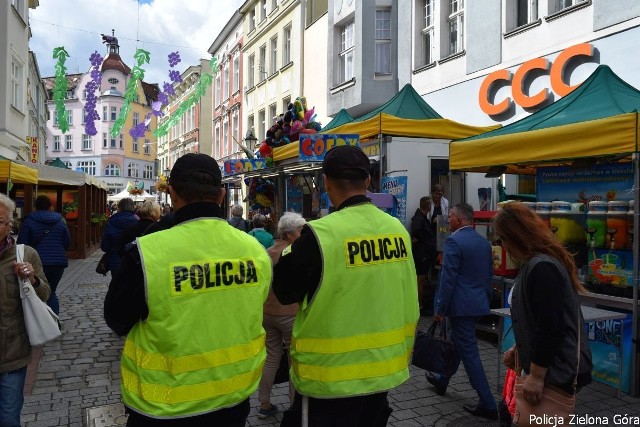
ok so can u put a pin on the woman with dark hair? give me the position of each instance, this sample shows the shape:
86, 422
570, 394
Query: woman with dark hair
545, 306
111, 238
46, 231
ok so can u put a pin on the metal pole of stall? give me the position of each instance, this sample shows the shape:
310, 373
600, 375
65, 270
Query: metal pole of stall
636, 252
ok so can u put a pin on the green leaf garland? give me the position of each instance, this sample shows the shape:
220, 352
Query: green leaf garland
60, 88
137, 73
200, 88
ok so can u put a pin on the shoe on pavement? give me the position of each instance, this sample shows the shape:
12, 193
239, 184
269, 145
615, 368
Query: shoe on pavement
264, 413
479, 411
434, 380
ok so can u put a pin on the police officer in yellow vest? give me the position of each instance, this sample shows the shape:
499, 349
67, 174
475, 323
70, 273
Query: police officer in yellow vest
190, 299
353, 274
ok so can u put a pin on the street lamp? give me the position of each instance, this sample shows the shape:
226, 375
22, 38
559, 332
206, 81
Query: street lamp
251, 141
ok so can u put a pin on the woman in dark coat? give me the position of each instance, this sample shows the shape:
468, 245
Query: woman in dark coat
112, 236
149, 214
46, 231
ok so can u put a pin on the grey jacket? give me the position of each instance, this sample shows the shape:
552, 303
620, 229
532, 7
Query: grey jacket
15, 350
562, 370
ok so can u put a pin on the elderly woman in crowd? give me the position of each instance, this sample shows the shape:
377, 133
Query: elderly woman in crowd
278, 320
15, 351
258, 231
111, 238
236, 219
545, 306
149, 214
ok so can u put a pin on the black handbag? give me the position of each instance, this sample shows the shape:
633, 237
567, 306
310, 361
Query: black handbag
434, 353
103, 264
282, 374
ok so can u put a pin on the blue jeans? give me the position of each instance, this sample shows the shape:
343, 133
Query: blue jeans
53, 274
11, 396
463, 332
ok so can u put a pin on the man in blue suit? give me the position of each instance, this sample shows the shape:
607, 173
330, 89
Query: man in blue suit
463, 297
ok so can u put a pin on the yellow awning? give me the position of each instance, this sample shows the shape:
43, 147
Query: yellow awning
611, 136
17, 173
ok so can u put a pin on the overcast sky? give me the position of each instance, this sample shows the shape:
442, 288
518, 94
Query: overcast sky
161, 26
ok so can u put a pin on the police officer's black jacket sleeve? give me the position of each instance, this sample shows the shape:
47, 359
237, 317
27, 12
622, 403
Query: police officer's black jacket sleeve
298, 273
125, 303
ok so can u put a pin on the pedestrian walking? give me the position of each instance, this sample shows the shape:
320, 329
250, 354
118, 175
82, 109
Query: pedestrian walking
112, 235
236, 219
258, 231
149, 214
423, 243
353, 273
189, 298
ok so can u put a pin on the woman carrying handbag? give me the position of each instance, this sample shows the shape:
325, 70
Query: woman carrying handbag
552, 348
15, 350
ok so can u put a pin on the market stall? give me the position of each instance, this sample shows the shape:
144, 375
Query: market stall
589, 141
17, 181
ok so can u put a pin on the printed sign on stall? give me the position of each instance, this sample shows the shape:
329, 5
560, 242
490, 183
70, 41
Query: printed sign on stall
606, 338
238, 166
596, 183
397, 186
313, 147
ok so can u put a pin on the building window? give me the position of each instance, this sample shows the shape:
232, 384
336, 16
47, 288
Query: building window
56, 143
135, 145
86, 142
136, 119
114, 113
70, 117
68, 142
236, 128
558, 5
252, 19
226, 83
132, 170
148, 172
113, 141
105, 113
263, 10
383, 41
216, 141
262, 65
425, 55
347, 52
285, 103
520, 12
236, 73
261, 125
272, 114
17, 78
251, 127
455, 22
225, 138
112, 170
104, 140
88, 167
19, 7
121, 140
68, 164
286, 48
113, 81
217, 91
274, 5
273, 64
252, 70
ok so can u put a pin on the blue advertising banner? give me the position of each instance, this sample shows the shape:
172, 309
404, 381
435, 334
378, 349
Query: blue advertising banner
605, 339
600, 182
396, 186
238, 166
313, 147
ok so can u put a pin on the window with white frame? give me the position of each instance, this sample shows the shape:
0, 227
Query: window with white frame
272, 114
274, 4
383, 41
455, 22
113, 141
225, 138
251, 127
132, 170
105, 139
273, 62
86, 142
70, 117
217, 95
114, 113
286, 45
252, 70
425, 55
225, 88
236, 73
17, 83
135, 145
235, 117
520, 12
19, 5
68, 164
262, 65
146, 147
347, 48
112, 169
121, 140
56, 143
216, 140
285, 103
87, 166
83, 116
558, 5
263, 10
68, 142
261, 125
147, 173
136, 119
105, 113
252, 19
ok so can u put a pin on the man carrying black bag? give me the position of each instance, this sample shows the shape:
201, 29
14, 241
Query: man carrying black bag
463, 296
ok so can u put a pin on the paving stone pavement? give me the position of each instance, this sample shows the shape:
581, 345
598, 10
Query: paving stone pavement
78, 376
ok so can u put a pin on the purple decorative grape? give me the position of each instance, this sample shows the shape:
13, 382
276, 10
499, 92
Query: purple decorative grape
96, 75
168, 89
95, 59
163, 98
138, 130
175, 76
174, 58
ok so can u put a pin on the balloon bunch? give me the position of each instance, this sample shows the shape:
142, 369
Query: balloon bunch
91, 115
60, 88
261, 194
137, 74
137, 189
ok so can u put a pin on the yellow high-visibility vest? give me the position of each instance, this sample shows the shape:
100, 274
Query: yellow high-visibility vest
202, 346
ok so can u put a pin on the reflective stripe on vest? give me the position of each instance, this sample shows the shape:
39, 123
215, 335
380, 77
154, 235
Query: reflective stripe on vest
201, 347
355, 337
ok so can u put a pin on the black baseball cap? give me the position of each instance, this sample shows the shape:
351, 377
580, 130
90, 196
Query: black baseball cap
196, 167
346, 162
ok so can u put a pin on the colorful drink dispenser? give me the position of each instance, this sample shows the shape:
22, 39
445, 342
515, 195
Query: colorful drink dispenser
617, 224
543, 209
597, 224
567, 222
630, 220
